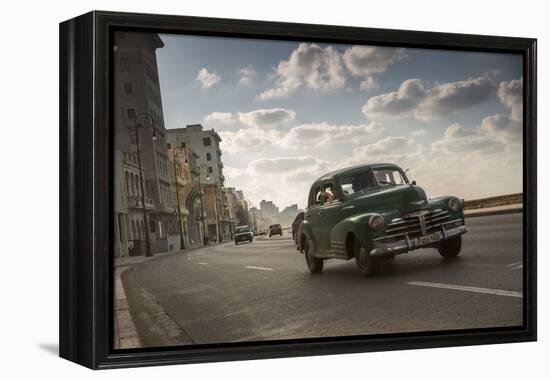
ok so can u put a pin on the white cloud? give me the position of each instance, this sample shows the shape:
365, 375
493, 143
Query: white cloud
303, 136
366, 61
461, 140
318, 134
388, 145
316, 68
247, 139
503, 128
448, 98
284, 179
398, 103
267, 118
247, 75
369, 60
419, 132
507, 129
219, 117
456, 130
282, 164
207, 79
309, 66
368, 84
511, 95
413, 99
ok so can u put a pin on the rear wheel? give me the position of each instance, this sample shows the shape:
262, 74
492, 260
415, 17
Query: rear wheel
314, 264
368, 265
236, 242
450, 248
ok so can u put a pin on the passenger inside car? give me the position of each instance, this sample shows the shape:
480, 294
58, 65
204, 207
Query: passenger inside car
327, 195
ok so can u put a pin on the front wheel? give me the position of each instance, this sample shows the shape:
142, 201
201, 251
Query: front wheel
236, 243
314, 264
368, 265
450, 248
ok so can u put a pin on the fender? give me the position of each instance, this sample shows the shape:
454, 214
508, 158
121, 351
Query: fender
307, 232
358, 225
443, 203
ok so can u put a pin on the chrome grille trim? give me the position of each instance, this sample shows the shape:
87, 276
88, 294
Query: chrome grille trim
409, 226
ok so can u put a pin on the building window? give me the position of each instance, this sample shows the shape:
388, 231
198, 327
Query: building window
210, 169
128, 89
124, 64
127, 180
207, 141
131, 113
208, 157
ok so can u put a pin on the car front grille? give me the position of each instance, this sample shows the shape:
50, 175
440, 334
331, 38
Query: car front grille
413, 225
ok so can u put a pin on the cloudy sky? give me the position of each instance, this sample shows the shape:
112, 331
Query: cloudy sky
288, 112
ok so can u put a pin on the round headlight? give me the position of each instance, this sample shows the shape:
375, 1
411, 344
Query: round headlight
376, 222
454, 204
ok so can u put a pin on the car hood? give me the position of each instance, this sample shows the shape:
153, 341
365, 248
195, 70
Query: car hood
405, 198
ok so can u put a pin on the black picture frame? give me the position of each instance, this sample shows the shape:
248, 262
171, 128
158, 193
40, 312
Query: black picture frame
86, 183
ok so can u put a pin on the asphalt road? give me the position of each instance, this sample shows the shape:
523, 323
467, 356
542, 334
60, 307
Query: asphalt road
263, 290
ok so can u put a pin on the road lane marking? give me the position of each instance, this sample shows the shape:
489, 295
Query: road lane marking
516, 267
515, 264
498, 292
259, 268
203, 263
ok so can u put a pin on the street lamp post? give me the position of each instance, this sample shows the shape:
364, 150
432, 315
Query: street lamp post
219, 211
139, 121
201, 166
176, 152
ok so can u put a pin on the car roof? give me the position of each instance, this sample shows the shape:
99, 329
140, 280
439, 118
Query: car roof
350, 170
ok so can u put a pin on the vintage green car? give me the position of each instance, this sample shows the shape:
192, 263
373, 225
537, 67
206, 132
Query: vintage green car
371, 212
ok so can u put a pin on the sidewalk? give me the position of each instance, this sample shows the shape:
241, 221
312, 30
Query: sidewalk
126, 335
498, 210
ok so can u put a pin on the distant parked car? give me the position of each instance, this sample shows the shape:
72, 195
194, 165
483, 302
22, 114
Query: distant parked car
243, 233
369, 212
296, 226
275, 229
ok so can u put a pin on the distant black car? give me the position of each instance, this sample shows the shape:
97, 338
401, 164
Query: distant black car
275, 229
296, 226
243, 233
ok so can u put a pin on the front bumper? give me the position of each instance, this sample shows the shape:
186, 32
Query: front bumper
406, 245
243, 238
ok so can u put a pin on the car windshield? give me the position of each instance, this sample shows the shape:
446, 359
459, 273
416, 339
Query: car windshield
370, 179
243, 229
358, 182
389, 177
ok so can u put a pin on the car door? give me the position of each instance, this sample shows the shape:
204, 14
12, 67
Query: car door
330, 213
312, 215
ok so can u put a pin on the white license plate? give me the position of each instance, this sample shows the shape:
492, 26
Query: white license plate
428, 239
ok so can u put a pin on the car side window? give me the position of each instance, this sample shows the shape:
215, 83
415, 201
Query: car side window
315, 197
327, 194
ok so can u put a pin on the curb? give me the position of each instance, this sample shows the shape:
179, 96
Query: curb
126, 335
492, 212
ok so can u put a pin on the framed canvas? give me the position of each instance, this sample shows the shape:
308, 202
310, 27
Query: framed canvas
236, 189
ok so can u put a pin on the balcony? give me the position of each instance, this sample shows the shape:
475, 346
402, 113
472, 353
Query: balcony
135, 202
